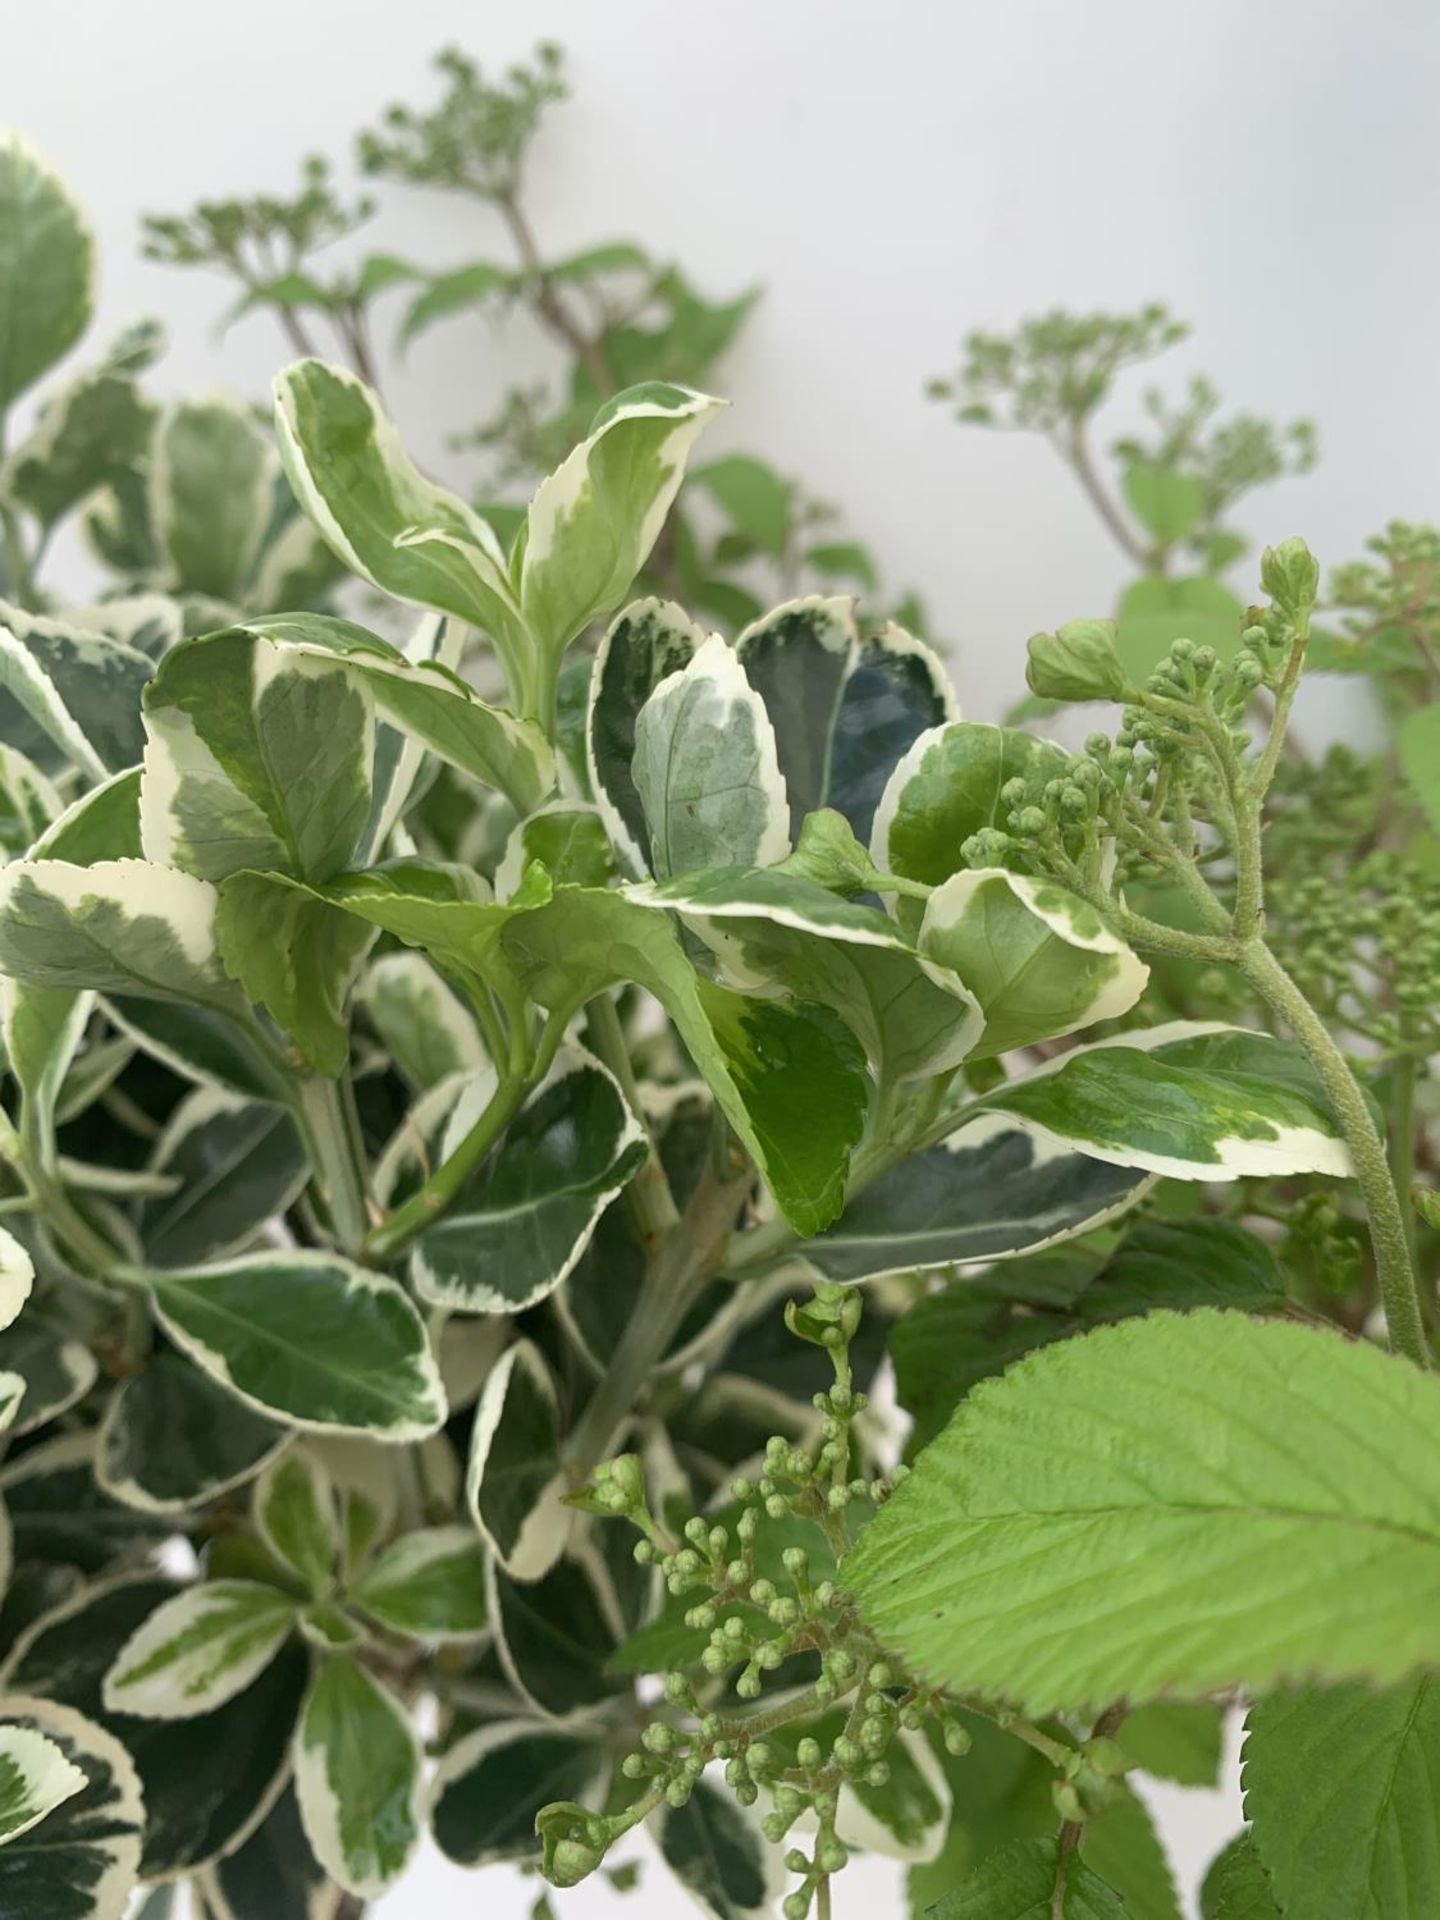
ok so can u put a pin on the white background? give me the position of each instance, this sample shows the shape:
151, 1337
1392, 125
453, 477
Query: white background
894, 175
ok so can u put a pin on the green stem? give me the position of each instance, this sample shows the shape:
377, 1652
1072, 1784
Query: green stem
1388, 1232
1403, 1077
648, 1196
333, 1161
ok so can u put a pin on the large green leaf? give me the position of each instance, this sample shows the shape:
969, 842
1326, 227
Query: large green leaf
914, 1015
1194, 1102
80, 1860
308, 1338
199, 1649
1020, 1883
1340, 1795
1237, 1887
375, 509
800, 1124
490, 1786
1039, 960
647, 643
706, 772
46, 263
212, 479
528, 1214
1049, 1546
991, 1191
592, 522
1419, 748
357, 1777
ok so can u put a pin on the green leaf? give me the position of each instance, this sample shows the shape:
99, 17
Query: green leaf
259, 755
1042, 1553
309, 1338
453, 292
946, 788
374, 508
1418, 743
1000, 1792
297, 956
271, 1875
1369, 1843
705, 769
647, 643
212, 479
120, 926
1039, 960
357, 1778
717, 1854
1120, 1844
555, 1638
490, 1786
1155, 611
515, 1480
1176, 1741
1019, 1883
46, 268
58, 1513
205, 1780
592, 522
798, 659
422, 1022
172, 1438
991, 1191
58, 1370
527, 1216
913, 1015
754, 496
1193, 1102
1167, 503
800, 1124
842, 559
238, 1165
569, 840
898, 689
78, 1859
36, 1777
94, 430
1237, 1886
430, 1585
67, 693
17, 1277
199, 1650
294, 1509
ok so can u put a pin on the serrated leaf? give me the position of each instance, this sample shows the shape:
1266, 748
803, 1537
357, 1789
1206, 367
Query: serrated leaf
1368, 1845
309, 1339
79, 1860
1237, 1886
1121, 1844
1048, 1546
1020, 1882
199, 1649
430, 1585
706, 771
527, 1216
46, 265
357, 1778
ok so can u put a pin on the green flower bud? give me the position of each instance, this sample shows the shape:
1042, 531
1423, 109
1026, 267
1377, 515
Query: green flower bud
1290, 574
568, 1852
1079, 662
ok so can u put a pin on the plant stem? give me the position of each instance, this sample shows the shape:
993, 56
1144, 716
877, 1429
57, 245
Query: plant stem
648, 1196
689, 1258
1402, 1136
331, 1149
1388, 1232
444, 1186
1076, 451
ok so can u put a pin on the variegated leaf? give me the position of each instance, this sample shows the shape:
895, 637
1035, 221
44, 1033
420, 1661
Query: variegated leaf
82, 1858
515, 1483
199, 1650
644, 645
357, 1777
429, 1586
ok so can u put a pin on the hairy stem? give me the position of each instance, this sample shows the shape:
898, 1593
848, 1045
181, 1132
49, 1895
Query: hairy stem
1388, 1232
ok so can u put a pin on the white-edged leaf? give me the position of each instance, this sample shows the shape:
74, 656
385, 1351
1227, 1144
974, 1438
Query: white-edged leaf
199, 1650
718, 1854
644, 645
172, 1438
357, 1778
425, 1026
36, 1777
46, 267
234, 1166
310, 1339
82, 1858
69, 693
591, 525
897, 689
17, 1277
514, 1482
528, 1214
295, 1515
430, 1585
489, 1787
1048, 1547
706, 771
212, 478
798, 658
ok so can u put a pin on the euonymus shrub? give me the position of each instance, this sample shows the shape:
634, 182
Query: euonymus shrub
465, 1161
